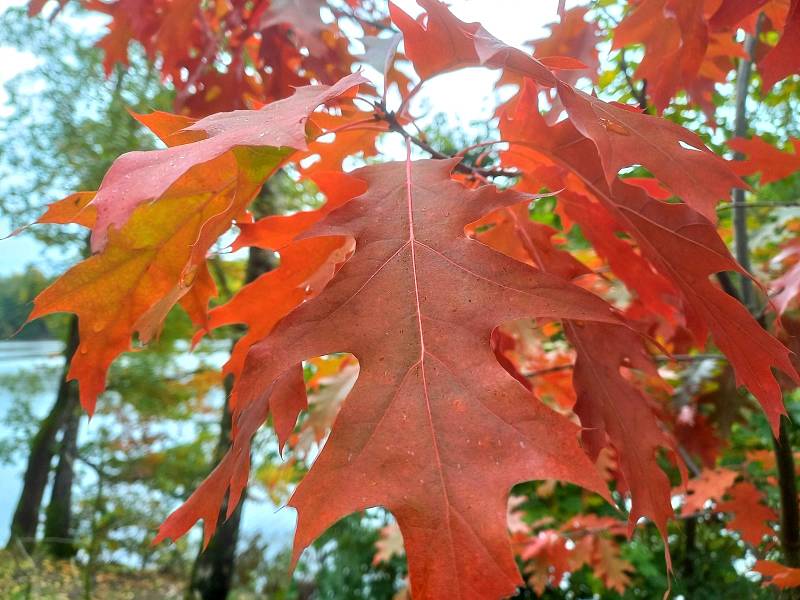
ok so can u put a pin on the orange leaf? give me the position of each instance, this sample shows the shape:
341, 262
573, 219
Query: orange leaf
750, 514
778, 575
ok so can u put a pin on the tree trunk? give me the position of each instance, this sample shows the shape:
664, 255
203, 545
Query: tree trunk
782, 445
58, 522
43, 447
213, 570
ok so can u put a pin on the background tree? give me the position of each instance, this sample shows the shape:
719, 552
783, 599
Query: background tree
69, 152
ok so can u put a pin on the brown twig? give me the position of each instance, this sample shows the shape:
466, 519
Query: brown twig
407, 100
659, 358
211, 45
340, 13
394, 125
639, 94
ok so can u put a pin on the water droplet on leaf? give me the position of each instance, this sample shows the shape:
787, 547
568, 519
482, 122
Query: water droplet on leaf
614, 127
188, 276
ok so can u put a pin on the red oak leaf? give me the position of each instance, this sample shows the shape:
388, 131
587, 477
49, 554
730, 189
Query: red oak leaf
623, 135
778, 575
787, 286
147, 266
682, 245
389, 544
674, 155
784, 59
764, 158
750, 515
432, 297
675, 36
547, 558
609, 566
611, 409
709, 485
572, 36
614, 412
157, 214
272, 133
446, 43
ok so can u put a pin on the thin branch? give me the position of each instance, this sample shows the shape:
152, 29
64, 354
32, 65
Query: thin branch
548, 370
741, 241
731, 205
340, 13
394, 125
658, 358
710, 514
206, 59
407, 100
464, 151
790, 515
687, 458
639, 94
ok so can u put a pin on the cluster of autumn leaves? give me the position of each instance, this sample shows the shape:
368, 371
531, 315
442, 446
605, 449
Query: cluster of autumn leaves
548, 554
431, 276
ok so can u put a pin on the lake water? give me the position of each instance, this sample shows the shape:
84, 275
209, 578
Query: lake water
276, 525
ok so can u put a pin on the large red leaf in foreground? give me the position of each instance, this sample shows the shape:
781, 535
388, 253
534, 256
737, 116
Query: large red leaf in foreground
435, 430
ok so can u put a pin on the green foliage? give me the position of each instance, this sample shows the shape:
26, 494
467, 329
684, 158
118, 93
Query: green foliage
24, 578
344, 557
17, 292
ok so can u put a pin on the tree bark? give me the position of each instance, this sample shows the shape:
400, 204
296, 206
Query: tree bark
790, 514
741, 238
213, 570
58, 521
43, 447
